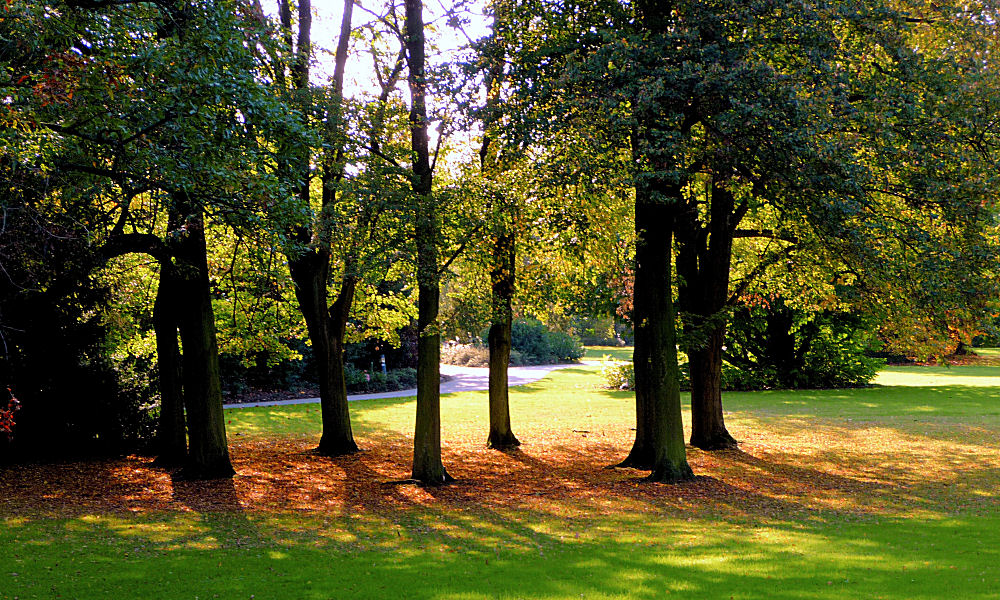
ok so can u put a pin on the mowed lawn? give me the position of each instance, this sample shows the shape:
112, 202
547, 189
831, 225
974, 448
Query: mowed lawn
884, 492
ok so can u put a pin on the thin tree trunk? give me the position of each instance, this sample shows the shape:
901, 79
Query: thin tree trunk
502, 275
427, 465
171, 435
208, 453
501, 436
655, 355
780, 342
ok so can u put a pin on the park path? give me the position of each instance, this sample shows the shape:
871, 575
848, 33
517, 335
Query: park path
462, 379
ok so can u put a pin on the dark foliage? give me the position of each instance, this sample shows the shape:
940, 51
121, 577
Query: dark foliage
74, 399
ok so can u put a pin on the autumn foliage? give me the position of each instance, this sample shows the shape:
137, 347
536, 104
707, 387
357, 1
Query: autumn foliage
7, 416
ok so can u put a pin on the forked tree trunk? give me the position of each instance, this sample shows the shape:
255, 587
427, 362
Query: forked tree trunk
703, 263
427, 466
310, 270
208, 452
326, 332
501, 437
659, 444
171, 435
338, 438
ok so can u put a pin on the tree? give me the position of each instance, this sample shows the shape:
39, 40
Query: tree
311, 253
152, 132
427, 465
603, 70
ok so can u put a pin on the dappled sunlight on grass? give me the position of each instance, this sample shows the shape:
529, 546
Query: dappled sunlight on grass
608, 352
885, 492
917, 376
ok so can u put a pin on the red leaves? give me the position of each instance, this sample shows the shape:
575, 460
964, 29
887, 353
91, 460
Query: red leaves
7, 416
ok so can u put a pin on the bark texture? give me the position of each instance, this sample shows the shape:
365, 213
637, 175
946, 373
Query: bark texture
310, 263
659, 441
660, 445
326, 327
501, 436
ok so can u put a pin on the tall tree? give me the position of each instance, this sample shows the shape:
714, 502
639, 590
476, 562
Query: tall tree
311, 253
504, 221
427, 465
141, 122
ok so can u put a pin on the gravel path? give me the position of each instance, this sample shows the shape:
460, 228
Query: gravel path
462, 379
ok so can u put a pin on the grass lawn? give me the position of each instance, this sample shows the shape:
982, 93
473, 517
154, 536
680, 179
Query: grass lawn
612, 352
884, 492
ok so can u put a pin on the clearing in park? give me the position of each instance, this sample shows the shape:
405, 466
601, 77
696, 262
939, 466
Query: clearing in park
884, 492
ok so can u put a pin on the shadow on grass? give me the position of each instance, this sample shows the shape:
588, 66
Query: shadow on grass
437, 554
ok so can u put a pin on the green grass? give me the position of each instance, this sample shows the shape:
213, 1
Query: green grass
612, 352
931, 528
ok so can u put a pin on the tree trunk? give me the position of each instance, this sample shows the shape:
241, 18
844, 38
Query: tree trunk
659, 444
427, 465
708, 428
780, 342
171, 435
338, 438
326, 332
310, 267
501, 437
703, 263
208, 454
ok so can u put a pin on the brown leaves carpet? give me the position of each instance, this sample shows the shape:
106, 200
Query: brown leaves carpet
780, 472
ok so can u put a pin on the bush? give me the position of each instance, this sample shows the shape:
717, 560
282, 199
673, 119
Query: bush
620, 376
465, 355
565, 347
597, 331
784, 348
360, 382
532, 343
474, 355
538, 345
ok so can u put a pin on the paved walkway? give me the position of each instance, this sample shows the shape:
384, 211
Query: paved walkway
463, 379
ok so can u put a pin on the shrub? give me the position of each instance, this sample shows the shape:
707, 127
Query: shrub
538, 345
360, 382
474, 355
565, 347
620, 376
465, 355
784, 347
597, 331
